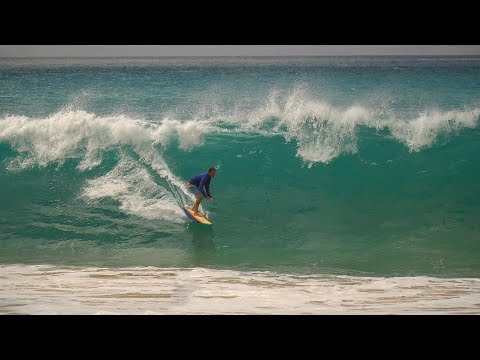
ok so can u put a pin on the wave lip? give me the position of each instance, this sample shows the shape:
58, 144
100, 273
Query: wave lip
422, 131
76, 134
321, 131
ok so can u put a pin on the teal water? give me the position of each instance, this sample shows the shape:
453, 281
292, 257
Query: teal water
354, 166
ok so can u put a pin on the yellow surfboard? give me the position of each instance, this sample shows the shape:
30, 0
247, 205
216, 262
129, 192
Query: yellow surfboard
200, 218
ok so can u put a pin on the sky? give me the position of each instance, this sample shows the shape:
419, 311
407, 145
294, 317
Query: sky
231, 50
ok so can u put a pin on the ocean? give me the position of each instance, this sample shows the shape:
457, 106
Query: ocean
345, 185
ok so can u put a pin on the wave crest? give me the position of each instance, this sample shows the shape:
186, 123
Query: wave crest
321, 131
79, 134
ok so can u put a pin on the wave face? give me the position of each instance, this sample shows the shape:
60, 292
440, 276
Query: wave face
355, 167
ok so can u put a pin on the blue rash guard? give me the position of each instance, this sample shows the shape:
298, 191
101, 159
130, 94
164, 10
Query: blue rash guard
200, 181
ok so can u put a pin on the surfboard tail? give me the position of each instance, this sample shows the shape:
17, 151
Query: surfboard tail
200, 218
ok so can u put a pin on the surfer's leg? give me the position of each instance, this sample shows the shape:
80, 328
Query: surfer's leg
197, 203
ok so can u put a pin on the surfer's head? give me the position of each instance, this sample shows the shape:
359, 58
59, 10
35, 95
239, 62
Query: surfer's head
212, 171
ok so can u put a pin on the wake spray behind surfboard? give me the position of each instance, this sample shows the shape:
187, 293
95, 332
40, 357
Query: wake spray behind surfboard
177, 186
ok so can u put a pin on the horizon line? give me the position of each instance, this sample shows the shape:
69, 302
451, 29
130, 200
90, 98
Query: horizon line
237, 56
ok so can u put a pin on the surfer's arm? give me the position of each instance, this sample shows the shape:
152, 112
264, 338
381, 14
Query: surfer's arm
207, 188
204, 184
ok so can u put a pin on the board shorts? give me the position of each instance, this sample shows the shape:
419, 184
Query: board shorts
194, 190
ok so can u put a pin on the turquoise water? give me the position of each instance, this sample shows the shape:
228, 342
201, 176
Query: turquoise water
346, 166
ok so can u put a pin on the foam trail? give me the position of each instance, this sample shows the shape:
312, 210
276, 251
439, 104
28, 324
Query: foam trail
134, 188
177, 186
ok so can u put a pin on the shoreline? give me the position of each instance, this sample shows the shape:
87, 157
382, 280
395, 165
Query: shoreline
46, 289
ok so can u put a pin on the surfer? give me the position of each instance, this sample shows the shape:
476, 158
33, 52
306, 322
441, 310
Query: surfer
201, 189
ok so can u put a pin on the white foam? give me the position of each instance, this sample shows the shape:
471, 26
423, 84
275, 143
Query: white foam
190, 133
177, 186
137, 192
78, 134
71, 134
321, 131
44, 289
422, 131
